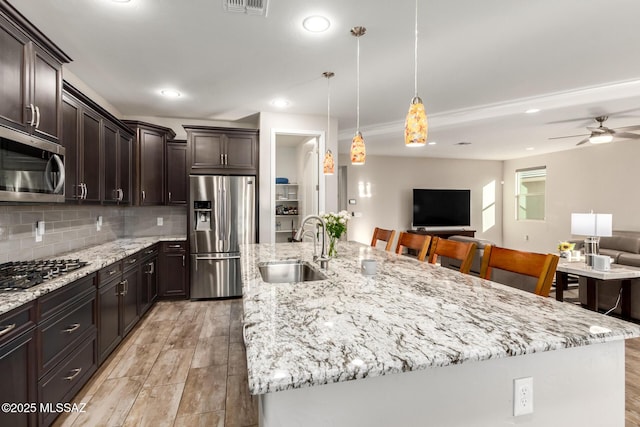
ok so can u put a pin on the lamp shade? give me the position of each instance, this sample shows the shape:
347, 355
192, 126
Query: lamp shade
328, 165
358, 152
415, 126
591, 224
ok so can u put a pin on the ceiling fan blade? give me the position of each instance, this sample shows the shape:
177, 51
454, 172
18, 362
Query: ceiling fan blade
627, 135
635, 127
583, 141
568, 136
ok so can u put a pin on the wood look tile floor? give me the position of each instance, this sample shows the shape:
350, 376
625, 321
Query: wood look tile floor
184, 365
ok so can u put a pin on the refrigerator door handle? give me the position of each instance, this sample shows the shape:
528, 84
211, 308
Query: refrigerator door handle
219, 258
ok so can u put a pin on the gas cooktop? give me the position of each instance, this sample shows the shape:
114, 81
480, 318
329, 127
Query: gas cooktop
19, 275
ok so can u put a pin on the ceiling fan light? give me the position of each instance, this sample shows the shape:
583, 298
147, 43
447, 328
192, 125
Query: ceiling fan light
600, 138
415, 125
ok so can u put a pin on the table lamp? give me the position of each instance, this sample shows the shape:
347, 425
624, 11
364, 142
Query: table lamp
592, 225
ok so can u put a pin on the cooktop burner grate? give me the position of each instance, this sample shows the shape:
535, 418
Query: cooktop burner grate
18, 275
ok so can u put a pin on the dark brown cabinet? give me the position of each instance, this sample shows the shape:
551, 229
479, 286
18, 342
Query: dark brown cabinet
67, 355
98, 151
149, 279
31, 76
17, 364
174, 278
81, 127
222, 150
176, 172
117, 164
149, 162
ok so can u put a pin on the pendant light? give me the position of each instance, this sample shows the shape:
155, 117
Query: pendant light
358, 152
415, 126
328, 165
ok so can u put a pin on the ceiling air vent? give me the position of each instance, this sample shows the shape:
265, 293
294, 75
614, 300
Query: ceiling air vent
252, 7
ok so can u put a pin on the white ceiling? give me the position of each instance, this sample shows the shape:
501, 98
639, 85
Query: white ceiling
481, 65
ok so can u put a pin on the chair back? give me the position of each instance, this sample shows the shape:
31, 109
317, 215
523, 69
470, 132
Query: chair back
462, 251
385, 236
540, 266
417, 242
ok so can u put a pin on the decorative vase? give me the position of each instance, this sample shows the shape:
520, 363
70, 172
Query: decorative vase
333, 250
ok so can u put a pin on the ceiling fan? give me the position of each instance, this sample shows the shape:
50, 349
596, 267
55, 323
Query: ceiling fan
603, 134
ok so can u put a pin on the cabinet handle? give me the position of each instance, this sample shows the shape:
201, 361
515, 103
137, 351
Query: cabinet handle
120, 194
37, 117
132, 261
150, 251
175, 246
144, 196
169, 196
221, 159
226, 159
120, 291
80, 195
112, 272
76, 372
72, 328
84, 191
183, 258
33, 115
126, 286
151, 268
7, 329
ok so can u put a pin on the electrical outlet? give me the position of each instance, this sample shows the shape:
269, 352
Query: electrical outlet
99, 223
522, 396
160, 221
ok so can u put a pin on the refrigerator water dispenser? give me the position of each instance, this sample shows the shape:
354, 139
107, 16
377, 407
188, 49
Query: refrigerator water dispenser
202, 215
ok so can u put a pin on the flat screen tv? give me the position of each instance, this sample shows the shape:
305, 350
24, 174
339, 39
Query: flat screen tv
441, 208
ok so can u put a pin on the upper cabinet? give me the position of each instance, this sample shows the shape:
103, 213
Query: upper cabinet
176, 172
30, 77
149, 163
222, 150
98, 151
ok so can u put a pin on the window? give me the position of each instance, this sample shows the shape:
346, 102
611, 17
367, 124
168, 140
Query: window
530, 193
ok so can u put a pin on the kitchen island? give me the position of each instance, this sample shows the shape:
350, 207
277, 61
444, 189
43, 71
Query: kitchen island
419, 344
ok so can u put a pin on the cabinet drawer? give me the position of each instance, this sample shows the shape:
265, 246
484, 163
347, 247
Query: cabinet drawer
149, 252
131, 261
16, 322
168, 247
109, 272
57, 300
63, 332
66, 379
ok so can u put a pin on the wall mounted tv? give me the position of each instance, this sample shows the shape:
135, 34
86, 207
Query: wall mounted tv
441, 208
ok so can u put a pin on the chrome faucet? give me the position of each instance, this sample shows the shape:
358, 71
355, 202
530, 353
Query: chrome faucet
314, 236
323, 259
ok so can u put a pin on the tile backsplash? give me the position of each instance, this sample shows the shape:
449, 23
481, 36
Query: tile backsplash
72, 227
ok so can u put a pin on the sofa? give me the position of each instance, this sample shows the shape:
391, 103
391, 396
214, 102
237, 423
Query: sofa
624, 248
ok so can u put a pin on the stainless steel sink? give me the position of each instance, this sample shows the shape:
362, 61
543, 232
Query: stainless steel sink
287, 271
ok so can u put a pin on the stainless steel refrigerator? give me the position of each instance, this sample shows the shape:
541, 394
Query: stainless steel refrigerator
222, 213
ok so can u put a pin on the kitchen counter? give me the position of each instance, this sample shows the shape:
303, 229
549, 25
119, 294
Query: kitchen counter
410, 316
97, 256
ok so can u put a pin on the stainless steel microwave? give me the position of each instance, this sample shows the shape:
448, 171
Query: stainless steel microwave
31, 169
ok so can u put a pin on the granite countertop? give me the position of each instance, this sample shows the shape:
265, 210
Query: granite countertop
97, 256
409, 316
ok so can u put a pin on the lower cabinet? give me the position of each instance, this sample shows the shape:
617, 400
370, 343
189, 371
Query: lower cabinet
148, 279
68, 345
174, 270
117, 303
18, 364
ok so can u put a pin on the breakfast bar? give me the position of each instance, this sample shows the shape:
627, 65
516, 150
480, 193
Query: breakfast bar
420, 344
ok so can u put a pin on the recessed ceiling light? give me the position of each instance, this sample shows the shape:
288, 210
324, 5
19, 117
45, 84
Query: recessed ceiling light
280, 103
432, 143
532, 110
170, 93
121, 1
316, 24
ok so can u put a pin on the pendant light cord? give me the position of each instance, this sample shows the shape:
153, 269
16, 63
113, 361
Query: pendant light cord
358, 86
415, 62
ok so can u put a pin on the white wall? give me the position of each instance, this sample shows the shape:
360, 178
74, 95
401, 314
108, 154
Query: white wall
600, 177
391, 180
274, 121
